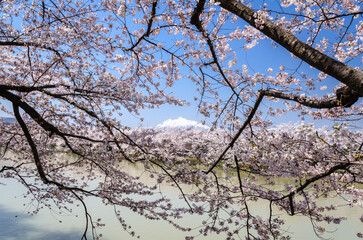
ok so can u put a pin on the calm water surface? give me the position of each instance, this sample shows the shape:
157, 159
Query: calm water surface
16, 224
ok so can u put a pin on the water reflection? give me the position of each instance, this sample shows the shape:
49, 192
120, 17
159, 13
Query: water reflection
15, 226
68, 226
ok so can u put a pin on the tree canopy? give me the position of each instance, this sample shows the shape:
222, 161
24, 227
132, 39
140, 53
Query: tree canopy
71, 69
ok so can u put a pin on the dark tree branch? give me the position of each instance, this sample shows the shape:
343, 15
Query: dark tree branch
40, 169
27, 44
239, 175
291, 204
243, 194
341, 100
342, 166
245, 124
86, 213
16, 100
344, 34
153, 12
176, 183
53, 129
149, 25
25, 88
270, 221
347, 96
32, 145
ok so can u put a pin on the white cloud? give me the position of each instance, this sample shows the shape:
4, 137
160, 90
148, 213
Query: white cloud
181, 123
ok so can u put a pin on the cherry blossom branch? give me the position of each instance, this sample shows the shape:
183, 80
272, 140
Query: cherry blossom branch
245, 124
43, 176
38, 164
342, 166
344, 34
87, 215
149, 25
176, 183
340, 71
16, 100
7, 145
22, 179
104, 123
313, 224
13, 168
42, 88
197, 23
38, 118
218, 200
49, 127
270, 221
52, 129
38, 45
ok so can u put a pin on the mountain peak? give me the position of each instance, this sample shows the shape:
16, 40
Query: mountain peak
181, 123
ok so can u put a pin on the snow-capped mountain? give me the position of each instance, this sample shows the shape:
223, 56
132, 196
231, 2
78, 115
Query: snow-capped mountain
181, 123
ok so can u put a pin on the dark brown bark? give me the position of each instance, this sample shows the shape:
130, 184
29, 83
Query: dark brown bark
338, 70
31, 44
345, 98
149, 25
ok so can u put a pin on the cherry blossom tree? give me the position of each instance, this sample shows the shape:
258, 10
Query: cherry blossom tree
70, 70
